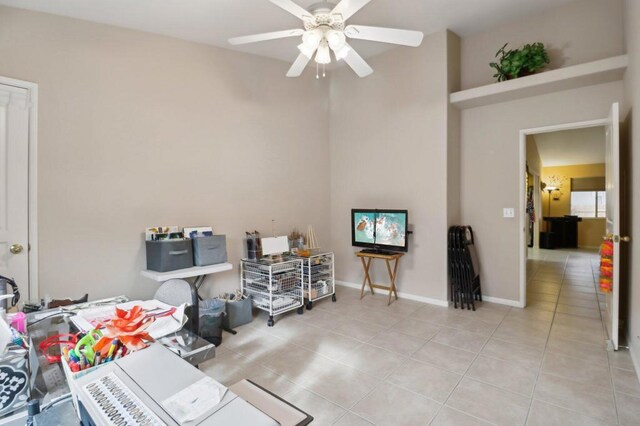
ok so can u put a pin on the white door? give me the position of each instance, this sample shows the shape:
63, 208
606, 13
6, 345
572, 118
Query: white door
612, 165
14, 186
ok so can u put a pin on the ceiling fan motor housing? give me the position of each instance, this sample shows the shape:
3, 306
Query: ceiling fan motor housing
322, 17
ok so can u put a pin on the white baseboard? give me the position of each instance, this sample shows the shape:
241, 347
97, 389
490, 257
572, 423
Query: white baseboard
499, 301
401, 295
634, 351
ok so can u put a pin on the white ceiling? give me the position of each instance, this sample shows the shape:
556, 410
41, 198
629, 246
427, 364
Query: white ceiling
571, 147
214, 21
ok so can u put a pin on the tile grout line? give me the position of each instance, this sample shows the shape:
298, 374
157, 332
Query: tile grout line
544, 352
462, 376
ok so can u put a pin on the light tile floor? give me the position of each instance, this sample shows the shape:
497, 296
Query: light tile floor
360, 362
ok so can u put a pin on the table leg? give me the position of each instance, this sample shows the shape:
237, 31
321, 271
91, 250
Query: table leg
195, 306
198, 283
392, 279
367, 278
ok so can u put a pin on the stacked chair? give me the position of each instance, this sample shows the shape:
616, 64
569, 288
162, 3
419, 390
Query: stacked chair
464, 268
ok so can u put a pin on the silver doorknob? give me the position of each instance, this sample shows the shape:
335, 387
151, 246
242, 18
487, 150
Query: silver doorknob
625, 239
15, 248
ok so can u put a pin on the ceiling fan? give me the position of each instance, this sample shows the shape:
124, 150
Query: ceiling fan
325, 30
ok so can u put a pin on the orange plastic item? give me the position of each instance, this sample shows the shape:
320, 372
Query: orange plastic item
129, 328
606, 267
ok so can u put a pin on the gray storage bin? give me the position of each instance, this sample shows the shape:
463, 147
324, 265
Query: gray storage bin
169, 255
209, 250
239, 312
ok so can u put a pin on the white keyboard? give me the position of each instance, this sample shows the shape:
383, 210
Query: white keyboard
117, 404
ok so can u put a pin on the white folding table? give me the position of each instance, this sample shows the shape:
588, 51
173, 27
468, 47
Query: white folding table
197, 272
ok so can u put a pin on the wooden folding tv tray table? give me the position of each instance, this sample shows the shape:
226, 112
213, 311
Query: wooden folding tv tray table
366, 259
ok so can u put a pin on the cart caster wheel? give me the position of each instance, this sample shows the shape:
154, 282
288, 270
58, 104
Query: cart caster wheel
270, 322
333, 298
309, 305
300, 310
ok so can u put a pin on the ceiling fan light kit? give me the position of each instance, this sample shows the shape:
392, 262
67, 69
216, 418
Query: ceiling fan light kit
325, 31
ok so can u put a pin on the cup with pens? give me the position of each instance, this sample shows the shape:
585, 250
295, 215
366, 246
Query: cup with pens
83, 355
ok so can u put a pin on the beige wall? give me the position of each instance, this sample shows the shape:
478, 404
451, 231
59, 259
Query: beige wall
138, 129
490, 171
632, 92
590, 231
576, 33
389, 149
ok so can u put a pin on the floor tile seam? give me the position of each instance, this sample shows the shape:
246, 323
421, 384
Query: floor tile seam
398, 353
565, 378
555, 404
301, 386
517, 344
430, 364
463, 375
366, 372
352, 413
464, 329
465, 413
514, 364
577, 382
404, 388
544, 353
631, 370
312, 351
320, 396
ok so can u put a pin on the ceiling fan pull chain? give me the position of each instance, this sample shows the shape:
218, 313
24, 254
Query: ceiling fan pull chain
323, 72
317, 67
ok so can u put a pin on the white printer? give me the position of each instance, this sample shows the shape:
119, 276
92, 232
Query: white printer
156, 387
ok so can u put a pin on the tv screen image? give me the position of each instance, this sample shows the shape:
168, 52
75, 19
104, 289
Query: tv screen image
391, 229
363, 231
380, 229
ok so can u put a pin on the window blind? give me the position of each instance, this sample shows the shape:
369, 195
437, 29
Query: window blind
597, 183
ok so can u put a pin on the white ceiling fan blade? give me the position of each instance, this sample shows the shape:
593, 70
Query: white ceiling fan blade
293, 8
266, 36
347, 8
384, 35
358, 64
298, 66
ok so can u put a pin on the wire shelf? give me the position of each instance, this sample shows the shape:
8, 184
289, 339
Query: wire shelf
276, 287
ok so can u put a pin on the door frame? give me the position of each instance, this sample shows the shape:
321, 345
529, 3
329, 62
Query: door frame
523, 194
32, 89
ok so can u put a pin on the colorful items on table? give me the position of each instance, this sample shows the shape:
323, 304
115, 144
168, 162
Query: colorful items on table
67, 341
83, 356
606, 267
129, 328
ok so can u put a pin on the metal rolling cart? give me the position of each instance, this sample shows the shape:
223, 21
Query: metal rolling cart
318, 278
275, 286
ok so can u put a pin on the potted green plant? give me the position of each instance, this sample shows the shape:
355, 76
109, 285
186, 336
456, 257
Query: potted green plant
514, 63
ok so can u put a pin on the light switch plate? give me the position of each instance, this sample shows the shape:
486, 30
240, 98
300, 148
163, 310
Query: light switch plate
508, 212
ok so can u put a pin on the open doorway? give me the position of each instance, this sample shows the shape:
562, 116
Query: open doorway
579, 165
566, 211
552, 160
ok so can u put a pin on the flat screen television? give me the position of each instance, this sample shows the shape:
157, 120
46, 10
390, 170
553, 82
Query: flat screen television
380, 230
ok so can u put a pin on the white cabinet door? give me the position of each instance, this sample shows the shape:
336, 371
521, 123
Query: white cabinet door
14, 186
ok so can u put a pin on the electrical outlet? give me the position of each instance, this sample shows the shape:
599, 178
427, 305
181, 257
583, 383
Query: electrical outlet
508, 212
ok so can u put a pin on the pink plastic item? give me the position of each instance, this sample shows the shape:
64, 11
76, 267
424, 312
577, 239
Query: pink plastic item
18, 321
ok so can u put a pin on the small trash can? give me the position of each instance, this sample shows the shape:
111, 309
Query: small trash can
212, 312
238, 312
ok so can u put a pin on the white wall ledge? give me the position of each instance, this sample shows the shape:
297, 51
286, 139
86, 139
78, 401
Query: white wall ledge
588, 74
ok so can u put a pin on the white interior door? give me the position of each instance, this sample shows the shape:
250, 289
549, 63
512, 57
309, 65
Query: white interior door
612, 164
14, 186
